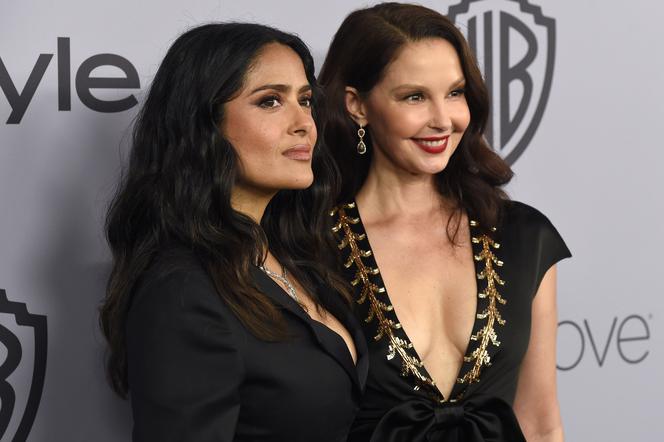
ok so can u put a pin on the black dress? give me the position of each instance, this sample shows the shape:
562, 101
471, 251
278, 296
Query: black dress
401, 402
197, 374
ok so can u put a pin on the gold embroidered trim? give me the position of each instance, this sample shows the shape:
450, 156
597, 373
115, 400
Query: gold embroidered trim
487, 335
377, 309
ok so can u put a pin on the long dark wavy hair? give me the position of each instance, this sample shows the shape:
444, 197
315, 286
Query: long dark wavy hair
177, 189
365, 44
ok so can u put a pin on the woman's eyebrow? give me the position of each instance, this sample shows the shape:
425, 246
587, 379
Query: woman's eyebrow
283, 88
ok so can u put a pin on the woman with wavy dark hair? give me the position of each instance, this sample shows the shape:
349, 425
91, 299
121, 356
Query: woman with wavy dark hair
455, 282
224, 321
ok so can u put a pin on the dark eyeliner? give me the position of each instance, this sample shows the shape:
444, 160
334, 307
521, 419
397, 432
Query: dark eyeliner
268, 98
459, 91
407, 97
309, 99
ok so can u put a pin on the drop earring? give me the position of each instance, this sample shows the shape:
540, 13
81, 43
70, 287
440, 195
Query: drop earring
361, 147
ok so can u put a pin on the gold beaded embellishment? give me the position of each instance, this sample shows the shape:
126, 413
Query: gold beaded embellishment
377, 309
487, 334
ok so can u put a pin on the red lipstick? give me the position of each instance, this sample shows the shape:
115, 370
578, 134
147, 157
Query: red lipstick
432, 144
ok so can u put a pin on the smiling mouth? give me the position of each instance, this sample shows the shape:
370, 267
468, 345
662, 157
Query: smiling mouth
432, 144
300, 153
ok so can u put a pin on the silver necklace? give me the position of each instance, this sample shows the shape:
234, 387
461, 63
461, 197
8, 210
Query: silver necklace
282, 278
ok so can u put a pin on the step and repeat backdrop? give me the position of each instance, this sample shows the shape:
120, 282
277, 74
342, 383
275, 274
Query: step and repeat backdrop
578, 107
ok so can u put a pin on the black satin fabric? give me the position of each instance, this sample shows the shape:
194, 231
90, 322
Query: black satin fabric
480, 418
197, 374
392, 410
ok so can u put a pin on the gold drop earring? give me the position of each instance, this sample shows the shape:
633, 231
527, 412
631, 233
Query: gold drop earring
361, 147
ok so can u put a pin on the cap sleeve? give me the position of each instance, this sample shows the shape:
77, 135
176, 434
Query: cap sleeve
551, 248
538, 243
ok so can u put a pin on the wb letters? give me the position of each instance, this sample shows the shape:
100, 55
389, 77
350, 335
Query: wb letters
515, 46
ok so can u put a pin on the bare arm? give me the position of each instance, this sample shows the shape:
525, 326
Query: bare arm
536, 402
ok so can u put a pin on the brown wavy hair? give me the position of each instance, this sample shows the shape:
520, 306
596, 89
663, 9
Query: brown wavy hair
365, 44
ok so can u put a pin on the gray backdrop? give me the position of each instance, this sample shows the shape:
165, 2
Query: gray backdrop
586, 151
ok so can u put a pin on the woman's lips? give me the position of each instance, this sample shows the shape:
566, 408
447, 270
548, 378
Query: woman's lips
300, 152
432, 144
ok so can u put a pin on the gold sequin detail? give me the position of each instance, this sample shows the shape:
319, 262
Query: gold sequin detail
378, 309
487, 334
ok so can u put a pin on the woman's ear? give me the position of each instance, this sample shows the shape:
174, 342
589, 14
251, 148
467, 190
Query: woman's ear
355, 106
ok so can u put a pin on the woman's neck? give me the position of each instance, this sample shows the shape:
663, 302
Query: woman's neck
251, 201
390, 192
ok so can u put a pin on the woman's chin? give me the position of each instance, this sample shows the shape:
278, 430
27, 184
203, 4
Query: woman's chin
299, 182
431, 167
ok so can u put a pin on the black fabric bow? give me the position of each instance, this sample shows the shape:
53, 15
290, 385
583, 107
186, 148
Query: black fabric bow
479, 419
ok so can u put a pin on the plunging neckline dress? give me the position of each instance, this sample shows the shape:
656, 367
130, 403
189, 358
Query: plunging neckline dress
401, 401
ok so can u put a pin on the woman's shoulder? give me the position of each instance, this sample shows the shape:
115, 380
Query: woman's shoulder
517, 211
176, 282
174, 261
520, 216
523, 224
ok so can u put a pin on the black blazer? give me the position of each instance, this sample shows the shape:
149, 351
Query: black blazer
197, 374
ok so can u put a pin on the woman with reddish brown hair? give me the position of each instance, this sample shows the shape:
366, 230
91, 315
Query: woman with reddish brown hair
455, 282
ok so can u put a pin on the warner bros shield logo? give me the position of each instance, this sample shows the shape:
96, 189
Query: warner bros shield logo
23, 346
515, 45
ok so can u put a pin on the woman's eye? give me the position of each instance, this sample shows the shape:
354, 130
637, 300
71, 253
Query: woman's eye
414, 97
306, 101
460, 92
270, 102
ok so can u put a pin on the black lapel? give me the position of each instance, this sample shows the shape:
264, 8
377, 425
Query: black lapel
328, 340
355, 328
272, 290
